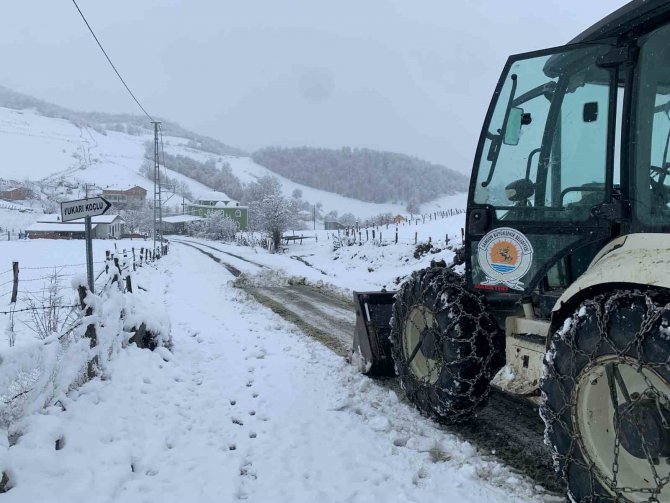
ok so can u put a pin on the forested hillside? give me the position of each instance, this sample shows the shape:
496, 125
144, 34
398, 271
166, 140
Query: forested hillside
218, 178
363, 174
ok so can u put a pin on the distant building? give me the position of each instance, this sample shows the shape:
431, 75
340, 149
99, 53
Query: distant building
176, 224
108, 226
103, 227
15, 193
332, 225
57, 230
399, 219
211, 202
127, 197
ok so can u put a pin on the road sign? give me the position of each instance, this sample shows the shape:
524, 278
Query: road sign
91, 207
85, 208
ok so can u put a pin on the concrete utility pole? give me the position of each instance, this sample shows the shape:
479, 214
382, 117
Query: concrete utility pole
158, 203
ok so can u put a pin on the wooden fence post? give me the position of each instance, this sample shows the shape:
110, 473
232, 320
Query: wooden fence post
15, 285
117, 275
396, 235
90, 330
134, 265
416, 236
129, 286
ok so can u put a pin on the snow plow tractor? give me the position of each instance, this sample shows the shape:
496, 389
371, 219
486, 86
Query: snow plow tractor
561, 292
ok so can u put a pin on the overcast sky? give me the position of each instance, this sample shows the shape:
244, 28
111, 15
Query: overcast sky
399, 75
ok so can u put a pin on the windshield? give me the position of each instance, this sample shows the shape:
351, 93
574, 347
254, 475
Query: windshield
545, 152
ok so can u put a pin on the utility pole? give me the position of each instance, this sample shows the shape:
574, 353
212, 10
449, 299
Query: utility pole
158, 206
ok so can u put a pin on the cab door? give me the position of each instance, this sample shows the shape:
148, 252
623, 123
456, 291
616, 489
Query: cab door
541, 193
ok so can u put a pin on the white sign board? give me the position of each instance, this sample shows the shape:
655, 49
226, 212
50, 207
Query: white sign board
91, 207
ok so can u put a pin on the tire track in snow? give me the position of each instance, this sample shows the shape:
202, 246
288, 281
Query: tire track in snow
186, 241
508, 427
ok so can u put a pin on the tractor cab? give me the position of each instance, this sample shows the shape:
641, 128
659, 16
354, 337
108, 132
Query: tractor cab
573, 153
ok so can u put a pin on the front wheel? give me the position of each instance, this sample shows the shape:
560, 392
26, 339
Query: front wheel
606, 396
446, 346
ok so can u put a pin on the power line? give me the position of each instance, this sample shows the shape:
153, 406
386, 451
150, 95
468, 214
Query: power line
110, 61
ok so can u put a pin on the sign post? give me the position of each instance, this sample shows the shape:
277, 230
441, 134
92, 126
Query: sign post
85, 208
89, 254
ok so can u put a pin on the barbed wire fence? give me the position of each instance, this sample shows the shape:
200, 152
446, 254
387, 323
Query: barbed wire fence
388, 232
37, 374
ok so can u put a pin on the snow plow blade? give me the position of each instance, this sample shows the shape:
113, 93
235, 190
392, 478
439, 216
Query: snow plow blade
372, 346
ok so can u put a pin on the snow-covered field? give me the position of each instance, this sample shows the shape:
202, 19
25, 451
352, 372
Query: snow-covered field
245, 408
362, 265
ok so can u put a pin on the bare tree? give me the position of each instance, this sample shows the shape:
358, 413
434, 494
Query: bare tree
138, 220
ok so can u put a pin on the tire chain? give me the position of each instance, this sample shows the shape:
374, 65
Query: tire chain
451, 295
603, 306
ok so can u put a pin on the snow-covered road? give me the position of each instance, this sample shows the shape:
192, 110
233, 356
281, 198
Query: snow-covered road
246, 407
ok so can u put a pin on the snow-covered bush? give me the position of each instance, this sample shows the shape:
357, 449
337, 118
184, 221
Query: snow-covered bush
424, 248
344, 240
50, 311
216, 226
148, 322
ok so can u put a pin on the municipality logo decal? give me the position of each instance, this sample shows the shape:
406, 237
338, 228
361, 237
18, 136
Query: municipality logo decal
505, 255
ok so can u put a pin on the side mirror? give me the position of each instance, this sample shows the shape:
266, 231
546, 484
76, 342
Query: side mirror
513, 127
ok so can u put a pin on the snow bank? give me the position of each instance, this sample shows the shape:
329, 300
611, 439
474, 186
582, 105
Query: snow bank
41, 372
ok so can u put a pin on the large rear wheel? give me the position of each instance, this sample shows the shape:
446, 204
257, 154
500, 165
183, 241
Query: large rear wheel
607, 398
446, 346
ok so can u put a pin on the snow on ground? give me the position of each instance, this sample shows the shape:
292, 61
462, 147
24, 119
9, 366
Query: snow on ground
359, 266
246, 408
15, 219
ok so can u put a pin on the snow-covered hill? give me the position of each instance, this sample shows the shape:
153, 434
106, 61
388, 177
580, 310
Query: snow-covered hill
34, 147
66, 154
